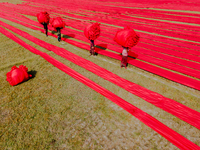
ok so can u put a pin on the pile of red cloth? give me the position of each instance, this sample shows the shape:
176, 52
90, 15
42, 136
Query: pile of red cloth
92, 31
43, 17
18, 75
126, 37
57, 23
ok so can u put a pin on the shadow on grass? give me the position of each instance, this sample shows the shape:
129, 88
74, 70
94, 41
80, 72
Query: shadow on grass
53, 32
33, 73
63, 35
69, 36
100, 47
132, 55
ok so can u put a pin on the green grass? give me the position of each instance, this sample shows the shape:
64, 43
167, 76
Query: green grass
12, 1
55, 111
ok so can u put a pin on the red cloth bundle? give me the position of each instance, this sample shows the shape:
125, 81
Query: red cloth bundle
57, 23
43, 17
126, 37
18, 75
92, 31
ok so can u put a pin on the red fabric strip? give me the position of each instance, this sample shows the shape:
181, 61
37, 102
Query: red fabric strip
154, 54
165, 131
167, 74
195, 59
136, 26
178, 54
169, 105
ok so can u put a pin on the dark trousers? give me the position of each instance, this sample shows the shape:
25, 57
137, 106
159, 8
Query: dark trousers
59, 34
45, 28
124, 61
92, 47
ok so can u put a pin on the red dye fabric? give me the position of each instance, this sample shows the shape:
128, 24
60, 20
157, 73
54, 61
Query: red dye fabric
43, 17
57, 23
159, 127
179, 55
170, 75
126, 37
185, 113
161, 72
160, 29
183, 56
92, 31
17, 75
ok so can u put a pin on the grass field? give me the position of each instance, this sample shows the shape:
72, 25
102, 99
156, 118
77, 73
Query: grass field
54, 111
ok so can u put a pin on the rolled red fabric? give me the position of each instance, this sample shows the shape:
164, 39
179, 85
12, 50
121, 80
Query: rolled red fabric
127, 37
57, 23
92, 31
43, 17
18, 75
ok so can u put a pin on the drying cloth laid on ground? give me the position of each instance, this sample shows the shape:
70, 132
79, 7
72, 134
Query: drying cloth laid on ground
174, 137
18, 75
146, 66
177, 109
92, 31
170, 62
126, 37
43, 17
57, 23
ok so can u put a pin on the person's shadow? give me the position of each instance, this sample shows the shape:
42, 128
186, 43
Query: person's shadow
132, 55
100, 47
64, 36
68, 36
53, 32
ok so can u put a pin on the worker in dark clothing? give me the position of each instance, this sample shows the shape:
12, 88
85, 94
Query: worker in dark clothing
92, 52
45, 28
59, 34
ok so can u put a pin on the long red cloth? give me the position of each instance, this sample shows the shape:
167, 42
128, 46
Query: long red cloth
165, 131
185, 113
176, 78
166, 5
177, 49
165, 73
175, 53
159, 62
159, 31
136, 26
